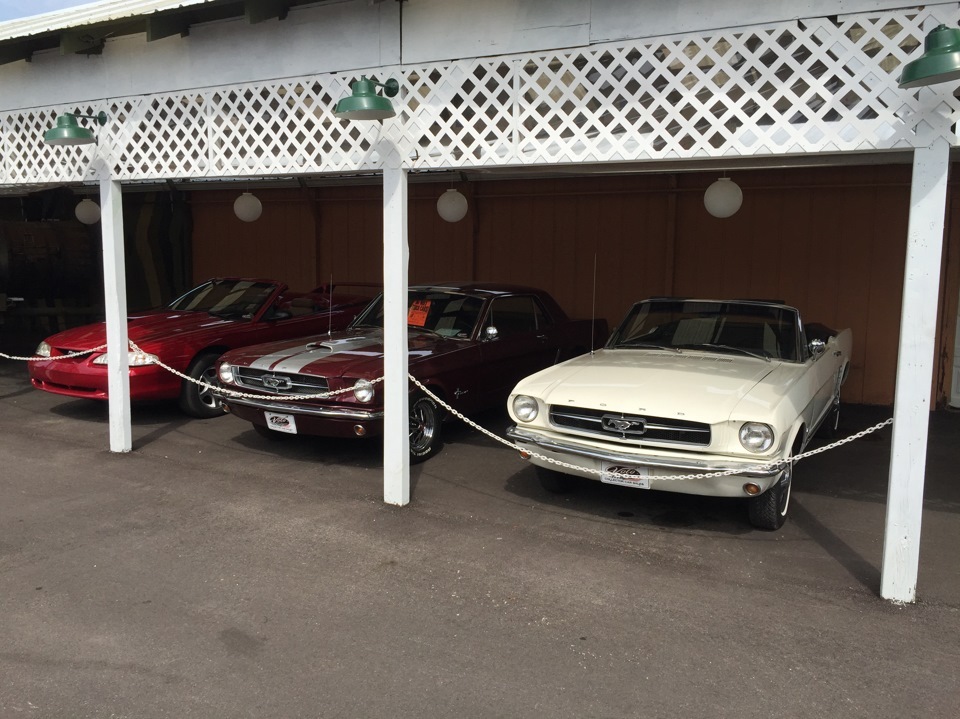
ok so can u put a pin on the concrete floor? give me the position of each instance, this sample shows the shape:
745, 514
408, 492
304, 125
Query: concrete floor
213, 573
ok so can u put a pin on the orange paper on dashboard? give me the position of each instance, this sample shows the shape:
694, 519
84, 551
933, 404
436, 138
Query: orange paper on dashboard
417, 314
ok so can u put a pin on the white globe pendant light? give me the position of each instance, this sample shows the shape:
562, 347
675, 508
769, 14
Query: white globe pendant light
723, 198
87, 211
452, 206
247, 207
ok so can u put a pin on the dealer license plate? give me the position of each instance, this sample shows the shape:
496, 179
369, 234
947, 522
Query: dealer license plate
636, 477
281, 422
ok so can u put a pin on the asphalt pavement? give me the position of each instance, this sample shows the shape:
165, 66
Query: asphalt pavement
214, 573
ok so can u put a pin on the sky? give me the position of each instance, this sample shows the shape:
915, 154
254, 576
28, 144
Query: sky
15, 9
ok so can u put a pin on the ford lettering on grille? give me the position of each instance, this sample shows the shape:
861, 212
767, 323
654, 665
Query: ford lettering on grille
624, 425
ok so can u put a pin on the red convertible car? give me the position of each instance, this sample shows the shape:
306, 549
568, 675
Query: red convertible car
468, 343
189, 335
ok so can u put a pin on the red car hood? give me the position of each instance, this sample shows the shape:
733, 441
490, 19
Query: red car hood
351, 353
146, 329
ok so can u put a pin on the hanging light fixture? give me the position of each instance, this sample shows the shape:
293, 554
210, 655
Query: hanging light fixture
247, 207
87, 211
940, 61
452, 206
69, 132
365, 104
723, 198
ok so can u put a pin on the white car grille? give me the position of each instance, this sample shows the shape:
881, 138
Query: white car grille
620, 427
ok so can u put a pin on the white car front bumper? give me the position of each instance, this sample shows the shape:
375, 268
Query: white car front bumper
654, 472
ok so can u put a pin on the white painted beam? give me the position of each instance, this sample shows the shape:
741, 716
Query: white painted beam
911, 410
115, 301
396, 258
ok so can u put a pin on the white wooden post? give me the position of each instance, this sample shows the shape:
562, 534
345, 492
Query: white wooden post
911, 409
115, 304
396, 258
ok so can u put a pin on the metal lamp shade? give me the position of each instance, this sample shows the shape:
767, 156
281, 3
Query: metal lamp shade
940, 61
365, 104
68, 132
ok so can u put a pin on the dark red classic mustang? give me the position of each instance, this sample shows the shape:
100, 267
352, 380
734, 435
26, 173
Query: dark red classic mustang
189, 335
468, 343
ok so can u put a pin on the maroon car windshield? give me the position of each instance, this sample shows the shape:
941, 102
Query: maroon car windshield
449, 314
229, 299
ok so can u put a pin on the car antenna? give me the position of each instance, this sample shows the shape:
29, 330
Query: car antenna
593, 306
330, 308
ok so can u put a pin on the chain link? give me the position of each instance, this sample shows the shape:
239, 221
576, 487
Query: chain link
36, 358
675, 478
776, 464
246, 395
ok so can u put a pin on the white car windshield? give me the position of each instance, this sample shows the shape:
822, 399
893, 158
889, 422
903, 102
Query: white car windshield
760, 329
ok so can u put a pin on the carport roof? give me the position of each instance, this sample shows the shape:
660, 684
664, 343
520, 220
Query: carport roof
20, 39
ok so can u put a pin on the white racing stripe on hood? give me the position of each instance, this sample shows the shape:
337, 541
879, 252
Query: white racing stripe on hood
295, 360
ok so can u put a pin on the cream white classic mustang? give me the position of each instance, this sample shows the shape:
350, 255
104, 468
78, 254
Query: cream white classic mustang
688, 387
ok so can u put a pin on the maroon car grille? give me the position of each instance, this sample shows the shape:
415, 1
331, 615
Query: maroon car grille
619, 427
279, 382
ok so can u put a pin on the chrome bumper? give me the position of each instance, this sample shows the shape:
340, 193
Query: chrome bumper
330, 412
684, 466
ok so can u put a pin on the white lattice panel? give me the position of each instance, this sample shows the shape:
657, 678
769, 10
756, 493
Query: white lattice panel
812, 86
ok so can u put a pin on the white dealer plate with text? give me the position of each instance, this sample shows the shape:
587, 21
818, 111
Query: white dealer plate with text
638, 477
281, 422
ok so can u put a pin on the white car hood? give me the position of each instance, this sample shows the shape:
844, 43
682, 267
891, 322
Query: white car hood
696, 386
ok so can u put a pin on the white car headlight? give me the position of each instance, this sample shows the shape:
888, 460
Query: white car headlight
363, 391
525, 408
225, 372
43, 350
134, 359
756, 436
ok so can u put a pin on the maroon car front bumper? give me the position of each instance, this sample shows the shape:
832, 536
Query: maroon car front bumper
310, 419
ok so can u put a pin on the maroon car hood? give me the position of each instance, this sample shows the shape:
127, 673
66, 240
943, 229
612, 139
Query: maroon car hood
145, 328
356, 353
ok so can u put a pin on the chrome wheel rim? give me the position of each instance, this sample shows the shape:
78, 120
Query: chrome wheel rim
423, 425
205, 394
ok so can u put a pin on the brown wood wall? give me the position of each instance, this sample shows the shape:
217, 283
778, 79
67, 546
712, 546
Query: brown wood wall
830, 241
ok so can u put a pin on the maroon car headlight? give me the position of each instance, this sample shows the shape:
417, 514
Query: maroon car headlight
225, 373
756, 437
363, 391
134, 359
43, 350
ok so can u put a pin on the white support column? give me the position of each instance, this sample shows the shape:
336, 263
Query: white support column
115, 301
911, 410
396, 258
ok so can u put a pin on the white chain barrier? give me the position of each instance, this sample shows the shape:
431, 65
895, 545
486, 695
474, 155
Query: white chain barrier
776, 464
680, 477
218, 389
37, 358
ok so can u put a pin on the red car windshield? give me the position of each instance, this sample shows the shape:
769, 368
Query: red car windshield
230, 299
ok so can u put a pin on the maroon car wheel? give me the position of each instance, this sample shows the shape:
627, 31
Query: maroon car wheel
425, 422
